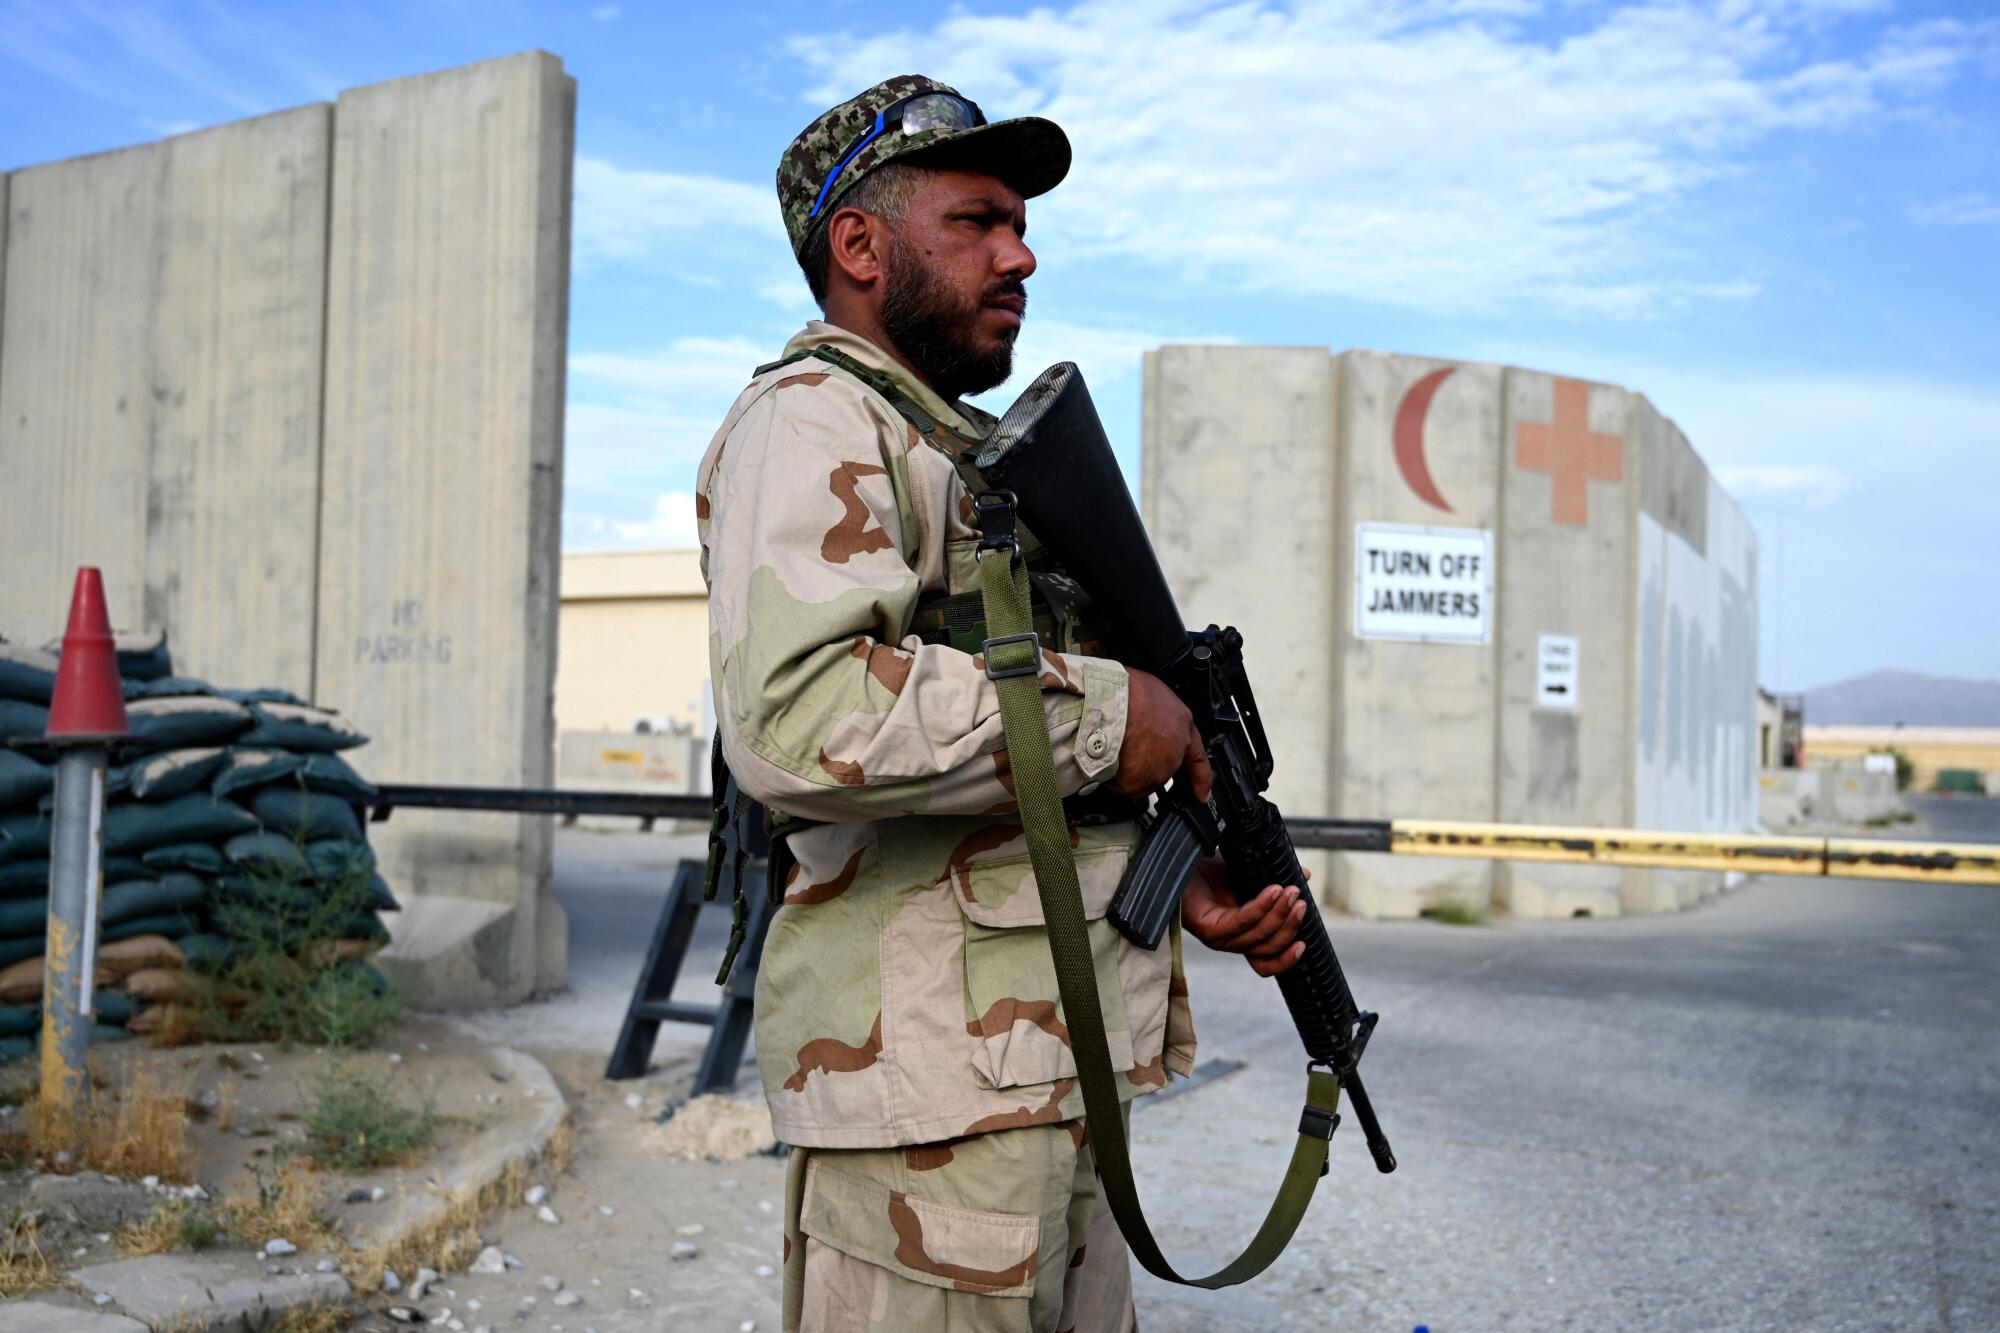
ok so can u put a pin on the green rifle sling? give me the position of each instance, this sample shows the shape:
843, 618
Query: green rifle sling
1004, 584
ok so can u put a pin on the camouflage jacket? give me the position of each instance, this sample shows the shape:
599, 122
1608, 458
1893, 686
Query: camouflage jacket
906, 993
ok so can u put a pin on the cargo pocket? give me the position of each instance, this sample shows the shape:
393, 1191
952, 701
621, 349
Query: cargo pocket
1013, 1004
881, 1257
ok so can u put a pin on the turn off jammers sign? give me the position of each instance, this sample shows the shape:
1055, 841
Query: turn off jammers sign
1430, 585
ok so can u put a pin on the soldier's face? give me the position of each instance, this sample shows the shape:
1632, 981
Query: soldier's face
954, 292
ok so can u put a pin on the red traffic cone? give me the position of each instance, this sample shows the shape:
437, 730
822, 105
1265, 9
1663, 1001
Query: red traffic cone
89, 703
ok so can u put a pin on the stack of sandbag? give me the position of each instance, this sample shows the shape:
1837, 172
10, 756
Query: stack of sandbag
228, 815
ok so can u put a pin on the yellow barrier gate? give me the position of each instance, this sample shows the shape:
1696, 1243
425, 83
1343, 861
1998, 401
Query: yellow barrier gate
1860, 858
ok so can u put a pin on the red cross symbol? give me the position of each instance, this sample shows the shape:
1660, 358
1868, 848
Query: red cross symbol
1571, 453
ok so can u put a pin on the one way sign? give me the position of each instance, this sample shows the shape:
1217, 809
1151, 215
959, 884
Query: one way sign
1555, 671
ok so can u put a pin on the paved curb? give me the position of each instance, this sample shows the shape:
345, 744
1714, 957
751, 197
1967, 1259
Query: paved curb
475, 1166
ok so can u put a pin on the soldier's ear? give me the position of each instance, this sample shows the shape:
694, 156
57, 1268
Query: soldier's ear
857, 245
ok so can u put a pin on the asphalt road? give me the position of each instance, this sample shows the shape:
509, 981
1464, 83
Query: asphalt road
1775, 1112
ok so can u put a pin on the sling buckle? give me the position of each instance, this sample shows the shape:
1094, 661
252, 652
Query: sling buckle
1320, 1124
1031, 667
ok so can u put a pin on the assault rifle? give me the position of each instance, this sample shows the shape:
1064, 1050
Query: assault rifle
1051, 454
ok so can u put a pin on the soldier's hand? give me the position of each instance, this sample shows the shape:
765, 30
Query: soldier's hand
1265, 930
1160, 741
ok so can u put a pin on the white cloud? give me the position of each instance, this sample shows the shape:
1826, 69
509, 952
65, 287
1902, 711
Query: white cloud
1424, 154
1967, 210
1811, 485
626, 214
686, 371
671, 524
606, 13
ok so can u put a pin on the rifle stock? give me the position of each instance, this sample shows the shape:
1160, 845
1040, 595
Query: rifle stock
1051, 452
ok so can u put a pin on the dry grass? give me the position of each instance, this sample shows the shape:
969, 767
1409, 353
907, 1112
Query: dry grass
285, 1206
561, 1147
23, 1266
314, 1319
169, 1227
448, 1243
139, 1130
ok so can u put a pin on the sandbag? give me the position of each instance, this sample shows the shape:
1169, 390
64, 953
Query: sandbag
336, 859
301, 727
321, 953
23, 780
24, 837
172, 926
168, 984
19, 718
174, 892
166, 687
121, 958
141, 656
268, 854
21, 983
207, 952
364, 926
165, 724
19, 1020
196, 817
19, 877
333, 775
266, 694
379, 898
172, 773
24, 916
113, 1007
200, 857
168, 1022
27, 675
306, 815
244, 768
290, 900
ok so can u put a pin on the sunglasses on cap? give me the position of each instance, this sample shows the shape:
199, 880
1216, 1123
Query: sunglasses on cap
912, 115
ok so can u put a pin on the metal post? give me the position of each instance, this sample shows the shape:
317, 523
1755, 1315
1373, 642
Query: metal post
70, 961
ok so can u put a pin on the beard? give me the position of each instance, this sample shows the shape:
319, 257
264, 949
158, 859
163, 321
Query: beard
935, 328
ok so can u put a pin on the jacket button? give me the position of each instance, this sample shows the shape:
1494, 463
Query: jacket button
1096, 744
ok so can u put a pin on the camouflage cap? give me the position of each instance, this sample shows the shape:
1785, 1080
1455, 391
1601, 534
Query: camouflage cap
1029, 153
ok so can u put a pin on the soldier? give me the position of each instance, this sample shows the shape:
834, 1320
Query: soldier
908, 1026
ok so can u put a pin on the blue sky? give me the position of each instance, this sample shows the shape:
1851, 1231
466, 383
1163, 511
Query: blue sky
1780, 219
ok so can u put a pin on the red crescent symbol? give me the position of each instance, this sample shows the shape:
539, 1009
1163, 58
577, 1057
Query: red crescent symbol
1409, 436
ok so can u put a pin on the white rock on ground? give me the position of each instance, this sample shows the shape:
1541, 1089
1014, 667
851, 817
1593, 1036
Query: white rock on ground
536, 1194
565, 1299
684, 1249
547, 1214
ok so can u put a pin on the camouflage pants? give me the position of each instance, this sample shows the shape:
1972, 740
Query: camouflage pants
1000, 1233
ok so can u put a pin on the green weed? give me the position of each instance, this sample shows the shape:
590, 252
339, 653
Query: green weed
355, 1121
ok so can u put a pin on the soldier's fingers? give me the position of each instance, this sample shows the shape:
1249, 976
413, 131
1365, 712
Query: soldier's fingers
1198, 770
1221, 929
1258, 933
1281, 939
1266, 967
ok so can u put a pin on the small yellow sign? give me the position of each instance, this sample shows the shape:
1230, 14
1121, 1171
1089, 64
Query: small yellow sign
622, 756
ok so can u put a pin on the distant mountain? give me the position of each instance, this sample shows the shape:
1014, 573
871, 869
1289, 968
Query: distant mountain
1884, 698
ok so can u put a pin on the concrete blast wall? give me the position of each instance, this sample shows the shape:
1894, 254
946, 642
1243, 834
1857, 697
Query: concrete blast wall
295, 384
1591, 661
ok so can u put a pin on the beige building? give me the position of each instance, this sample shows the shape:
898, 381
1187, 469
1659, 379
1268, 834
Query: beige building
634, 642
1929, 749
